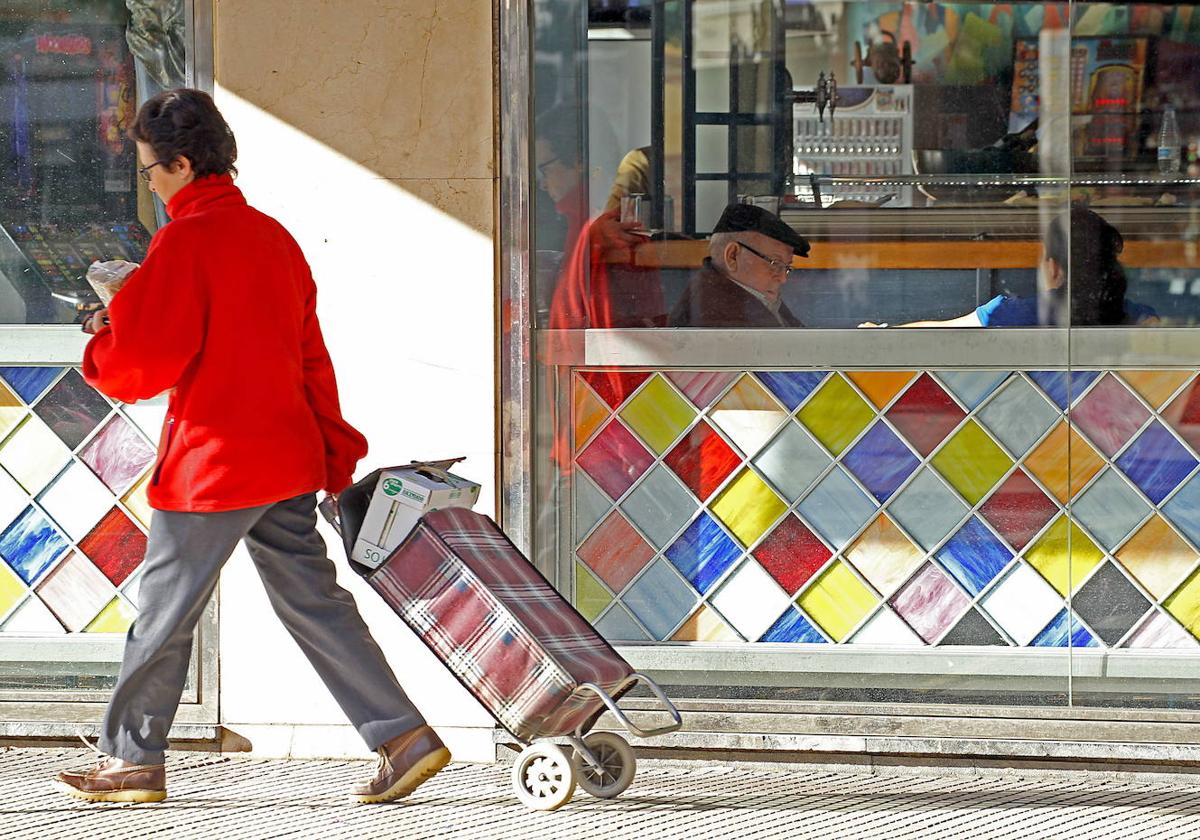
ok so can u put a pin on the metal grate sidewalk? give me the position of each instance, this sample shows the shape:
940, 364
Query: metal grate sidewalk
214, 796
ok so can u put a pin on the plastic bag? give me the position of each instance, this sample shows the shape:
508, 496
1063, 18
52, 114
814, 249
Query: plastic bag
108, 277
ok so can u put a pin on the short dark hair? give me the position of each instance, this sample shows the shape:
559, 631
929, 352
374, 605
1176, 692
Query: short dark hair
186, 123
1091, 247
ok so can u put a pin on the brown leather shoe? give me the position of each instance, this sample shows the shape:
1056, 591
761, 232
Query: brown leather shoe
404, 763
114, 780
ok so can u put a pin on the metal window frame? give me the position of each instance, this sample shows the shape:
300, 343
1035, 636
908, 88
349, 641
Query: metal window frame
525, 359
59, 713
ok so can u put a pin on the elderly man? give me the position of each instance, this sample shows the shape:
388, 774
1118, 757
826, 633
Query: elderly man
749, 256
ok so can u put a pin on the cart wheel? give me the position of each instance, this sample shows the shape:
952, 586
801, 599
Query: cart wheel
543, 777
616, 756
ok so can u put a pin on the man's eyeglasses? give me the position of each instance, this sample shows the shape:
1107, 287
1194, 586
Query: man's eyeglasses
541, 167
775, 265
144, 171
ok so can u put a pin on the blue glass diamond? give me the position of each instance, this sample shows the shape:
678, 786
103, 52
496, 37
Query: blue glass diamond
1156, 462
1058, 387
792, 626
30, 544
703, 552
974, 556
1055, 634
881, 461
29, 382
792, 387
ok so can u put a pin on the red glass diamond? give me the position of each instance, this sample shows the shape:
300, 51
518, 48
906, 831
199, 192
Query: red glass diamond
925, 415
615, 459
792, 554
1109, 415
116, 546
1184, 414
703, 460
613, 386
615, 551
1019, 509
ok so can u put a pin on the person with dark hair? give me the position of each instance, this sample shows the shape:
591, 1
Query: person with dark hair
222, 313
1091, 247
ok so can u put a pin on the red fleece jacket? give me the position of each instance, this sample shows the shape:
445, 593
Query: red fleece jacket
223, 311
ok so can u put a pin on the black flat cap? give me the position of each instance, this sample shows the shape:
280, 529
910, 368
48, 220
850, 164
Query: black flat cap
747, 217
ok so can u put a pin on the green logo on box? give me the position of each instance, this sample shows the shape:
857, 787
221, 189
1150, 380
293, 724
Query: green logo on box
392, 486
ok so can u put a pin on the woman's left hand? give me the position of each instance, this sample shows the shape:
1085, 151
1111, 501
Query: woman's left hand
93, 323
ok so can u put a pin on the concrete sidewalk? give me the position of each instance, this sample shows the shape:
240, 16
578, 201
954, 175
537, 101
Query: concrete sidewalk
222, 796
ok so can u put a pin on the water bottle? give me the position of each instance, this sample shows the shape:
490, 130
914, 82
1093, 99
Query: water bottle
1168, 143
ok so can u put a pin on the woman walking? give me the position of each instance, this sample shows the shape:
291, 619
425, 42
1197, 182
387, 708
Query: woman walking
223, 313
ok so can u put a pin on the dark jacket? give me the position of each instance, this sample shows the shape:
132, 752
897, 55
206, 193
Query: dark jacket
713, 300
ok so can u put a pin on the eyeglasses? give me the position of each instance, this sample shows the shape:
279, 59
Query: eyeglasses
775, 265
144, 171
541, 167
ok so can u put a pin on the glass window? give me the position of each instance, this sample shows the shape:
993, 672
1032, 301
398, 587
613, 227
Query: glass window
962, 514
71, 79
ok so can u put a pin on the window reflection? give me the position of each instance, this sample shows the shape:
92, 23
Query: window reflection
71, 78
908, 142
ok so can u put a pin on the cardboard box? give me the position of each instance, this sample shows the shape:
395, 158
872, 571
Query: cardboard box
402, 496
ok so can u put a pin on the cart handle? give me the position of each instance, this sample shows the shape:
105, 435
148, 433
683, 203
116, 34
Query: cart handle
633, 678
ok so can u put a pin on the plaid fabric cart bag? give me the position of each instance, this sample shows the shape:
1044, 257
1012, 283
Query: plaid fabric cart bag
516, 644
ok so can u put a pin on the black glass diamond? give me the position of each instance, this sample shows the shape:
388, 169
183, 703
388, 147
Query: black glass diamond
973, 629
72, 409
1110, 604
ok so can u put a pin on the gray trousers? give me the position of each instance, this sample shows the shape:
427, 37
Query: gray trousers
184, 557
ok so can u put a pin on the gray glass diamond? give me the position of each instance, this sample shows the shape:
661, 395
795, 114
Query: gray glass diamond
660, 598
1018, 416
792, 461
927, 509
660, 506
590, 506
617, 625
1110, 509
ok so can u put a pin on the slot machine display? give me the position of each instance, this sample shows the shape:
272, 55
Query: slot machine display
68, 186
1108, 78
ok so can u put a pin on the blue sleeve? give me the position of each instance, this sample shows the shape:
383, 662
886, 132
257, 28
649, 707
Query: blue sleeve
1002, 311
1137, 312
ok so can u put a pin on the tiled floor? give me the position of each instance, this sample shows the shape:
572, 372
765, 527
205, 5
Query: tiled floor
215, 796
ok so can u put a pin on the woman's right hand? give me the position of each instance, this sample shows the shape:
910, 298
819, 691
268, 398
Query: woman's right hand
96, 320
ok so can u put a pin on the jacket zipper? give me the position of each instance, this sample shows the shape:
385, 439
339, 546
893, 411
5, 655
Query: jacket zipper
166, 449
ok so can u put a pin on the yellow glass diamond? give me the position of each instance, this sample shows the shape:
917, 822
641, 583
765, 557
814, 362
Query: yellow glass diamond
135, 500
11, 589
589, 412
1185, 604
705, 625
836, 414
115, 618
748, 507
11, 411
658, 414
838, 601
1049, 556
590, 596
1157, 557
972, 462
